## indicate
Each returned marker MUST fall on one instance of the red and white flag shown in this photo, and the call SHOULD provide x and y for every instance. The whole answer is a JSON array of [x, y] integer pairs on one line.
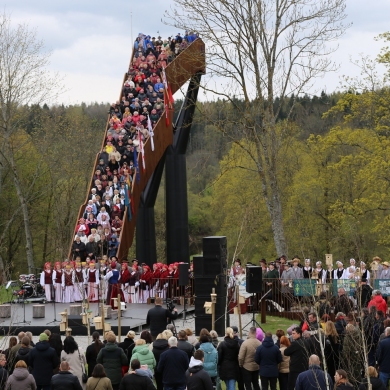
[[151, 133]]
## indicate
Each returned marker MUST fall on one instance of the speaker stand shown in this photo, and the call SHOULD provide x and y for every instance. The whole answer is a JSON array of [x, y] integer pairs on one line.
[[253, 321]]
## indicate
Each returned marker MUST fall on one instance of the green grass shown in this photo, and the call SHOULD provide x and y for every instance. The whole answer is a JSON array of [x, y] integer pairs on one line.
[[274, 323], [5, 296]]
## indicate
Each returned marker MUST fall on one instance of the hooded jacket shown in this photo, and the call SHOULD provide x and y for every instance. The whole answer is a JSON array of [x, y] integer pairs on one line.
[[313, 378], [159, 346], [197, 378], [113, 358], [268, 356], [210, 364], [21, 379], [43, 360], [144, 355], [298, 352], [379, 303]]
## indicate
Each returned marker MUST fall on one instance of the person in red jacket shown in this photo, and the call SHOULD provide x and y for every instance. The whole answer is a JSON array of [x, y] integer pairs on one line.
[[125, 279], [378, 301], [145, 280]]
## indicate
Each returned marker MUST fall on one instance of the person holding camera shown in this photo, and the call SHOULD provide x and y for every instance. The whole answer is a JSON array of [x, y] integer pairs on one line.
[[157, 318]]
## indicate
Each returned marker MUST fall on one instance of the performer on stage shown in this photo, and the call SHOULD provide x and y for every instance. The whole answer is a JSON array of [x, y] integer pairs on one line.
[[102, 273], [339, 273], [113, 277], [145, 280], [125, 279], [164, 277], [79, 280], [155, 280], [46, 281], [365, 272], [57, 281], [68, 284], [307, 269], [93, 281], [134, 282]]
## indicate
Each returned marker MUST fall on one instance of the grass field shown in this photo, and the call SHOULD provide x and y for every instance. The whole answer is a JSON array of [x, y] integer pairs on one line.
[[274, 323], [5, 296]]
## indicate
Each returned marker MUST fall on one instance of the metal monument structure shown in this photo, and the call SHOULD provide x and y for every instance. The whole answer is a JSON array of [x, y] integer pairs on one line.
[[170, 145]]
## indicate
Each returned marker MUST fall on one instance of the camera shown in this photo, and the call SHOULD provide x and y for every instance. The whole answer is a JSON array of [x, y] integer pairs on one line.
[[170, 305]]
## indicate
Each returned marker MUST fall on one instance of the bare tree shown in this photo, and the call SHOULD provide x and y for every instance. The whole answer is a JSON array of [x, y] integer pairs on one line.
[[24, 80], [258, 53]]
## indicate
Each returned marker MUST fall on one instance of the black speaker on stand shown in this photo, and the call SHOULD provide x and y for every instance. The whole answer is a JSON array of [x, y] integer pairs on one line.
[[254, 283], [183, 282]]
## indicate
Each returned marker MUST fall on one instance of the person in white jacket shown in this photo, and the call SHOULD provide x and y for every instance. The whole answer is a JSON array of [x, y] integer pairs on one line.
[[46, 281]]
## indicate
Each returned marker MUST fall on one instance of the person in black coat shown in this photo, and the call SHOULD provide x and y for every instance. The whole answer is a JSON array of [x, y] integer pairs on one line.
[[268, 356], [137, 379], [158, 316], [3, 372], [184, 345], [160, 345], [197, 377], [228, 367], [24, 351], [92, 352], [127, 342], [65, 380], [43, 360], [299, 357], [314, 377], [376, 383]]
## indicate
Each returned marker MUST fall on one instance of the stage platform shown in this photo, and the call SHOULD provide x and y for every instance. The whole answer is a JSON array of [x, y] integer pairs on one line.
[[134, 317]]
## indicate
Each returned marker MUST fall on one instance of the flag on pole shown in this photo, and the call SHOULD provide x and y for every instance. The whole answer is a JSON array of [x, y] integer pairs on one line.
[[127, 203], [151, 133], [141, 149]]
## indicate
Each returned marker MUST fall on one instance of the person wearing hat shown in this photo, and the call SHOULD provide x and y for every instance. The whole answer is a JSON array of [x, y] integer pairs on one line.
[[78, 293], [263, 265], [92, 279], [43, 360], [145, 281], [164, 278], [297, 271], [57, 281], [377, 260], [68, 278], [339, 272], [307, 269], [134, 282], [155, 279], [46, 281], [125, 279], [286, 281], [385, 274]]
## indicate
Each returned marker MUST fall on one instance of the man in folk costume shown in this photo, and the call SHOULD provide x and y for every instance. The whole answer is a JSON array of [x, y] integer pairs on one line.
[[385, 274], [378, 260], [286, 281], [155, 280], [307, 269], [125, 279], [164, 277], [68, 284], [145, 281], [93, 282], [57, 281], [134, 282], [296, 271], [46, 281], [102, 273], [113, 277], [79, 279], [339, 273]]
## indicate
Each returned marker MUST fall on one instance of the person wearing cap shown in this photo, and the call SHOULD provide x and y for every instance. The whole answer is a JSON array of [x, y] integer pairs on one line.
[[92, 280], [385, 274], [307, 270], [339, 272], [68, 278], [46, 281], [125, 278], [78, 293], [43, 360], [134, 282], [57, 281], [145, 281]]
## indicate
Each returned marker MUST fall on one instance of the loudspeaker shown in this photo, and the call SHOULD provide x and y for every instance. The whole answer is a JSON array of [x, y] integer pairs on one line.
[[75, 321], [198, 266], [215, 247], [253, 279], [183, 274]]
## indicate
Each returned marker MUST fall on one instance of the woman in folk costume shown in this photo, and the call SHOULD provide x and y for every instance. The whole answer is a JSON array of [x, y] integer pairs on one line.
[[93, 282], [57, 281], [365, 272], [78, 293], [47, 281], [68, 284], [164, 278], [125, 279], [155, 279], [113, 276], [145, 280], [307, 270], [134, 283], [102, 273]]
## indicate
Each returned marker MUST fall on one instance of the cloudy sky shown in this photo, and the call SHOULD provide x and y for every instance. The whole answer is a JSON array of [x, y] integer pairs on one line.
[[91, 41]]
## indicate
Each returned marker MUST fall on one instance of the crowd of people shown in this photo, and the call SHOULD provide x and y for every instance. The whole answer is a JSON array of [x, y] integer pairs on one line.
[[145, 97]]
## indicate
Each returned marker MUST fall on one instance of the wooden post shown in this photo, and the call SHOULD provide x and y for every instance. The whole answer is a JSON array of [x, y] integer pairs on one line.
[[263, 311], [239, 311], [213, 311], [67, 325], [119, 318], [102, 311]]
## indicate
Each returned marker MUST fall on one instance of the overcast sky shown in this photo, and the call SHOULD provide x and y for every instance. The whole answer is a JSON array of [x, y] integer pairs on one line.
[[91, 41]]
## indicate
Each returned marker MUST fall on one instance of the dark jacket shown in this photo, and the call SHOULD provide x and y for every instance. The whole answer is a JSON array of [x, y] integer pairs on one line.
[[344, 386], [43, 360], [23, 354], [125, 344], [383, 355], [65, 380], [313, 379], [376, 383], [91, 355], [113, 358], [299, 357], [136, 382], [159, 346], [173, 365], [340, 325], [3, 377], [157, 319], [228, 358], [186, 347], [268, 356], [343, 304], [198, 379]]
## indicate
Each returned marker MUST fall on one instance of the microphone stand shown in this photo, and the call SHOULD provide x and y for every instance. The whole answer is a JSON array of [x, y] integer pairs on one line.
[[54, 305], [24, 311]]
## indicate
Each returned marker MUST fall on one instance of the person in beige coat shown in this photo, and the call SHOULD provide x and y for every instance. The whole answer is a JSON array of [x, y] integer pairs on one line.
[[99, 380], [246, 360], [285, 364]]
